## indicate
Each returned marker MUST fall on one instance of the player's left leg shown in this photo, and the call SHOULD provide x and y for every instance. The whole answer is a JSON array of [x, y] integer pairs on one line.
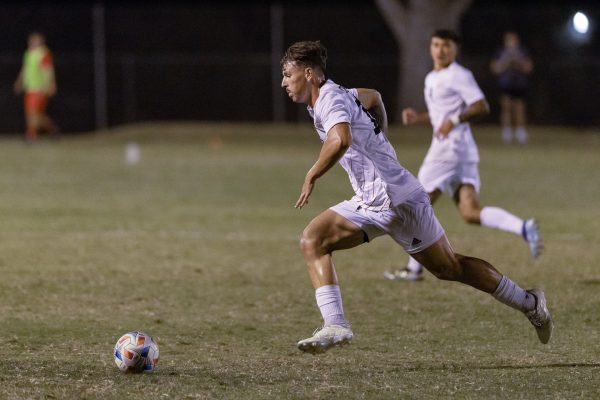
[[441, 261], [519, 107], [50, 126], [328, 232], [506, 118], [45, 122], [467, 201]]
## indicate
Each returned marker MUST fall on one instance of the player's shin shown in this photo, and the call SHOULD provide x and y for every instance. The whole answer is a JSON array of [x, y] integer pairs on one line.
[[329, 300]]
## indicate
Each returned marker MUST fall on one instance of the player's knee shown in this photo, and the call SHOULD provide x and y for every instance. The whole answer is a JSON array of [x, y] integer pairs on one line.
[[310, 243], [305, 244], [472, 219]]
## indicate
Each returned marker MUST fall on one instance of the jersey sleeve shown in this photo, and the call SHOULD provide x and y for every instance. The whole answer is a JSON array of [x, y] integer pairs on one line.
[[333, 110], [468, 88]]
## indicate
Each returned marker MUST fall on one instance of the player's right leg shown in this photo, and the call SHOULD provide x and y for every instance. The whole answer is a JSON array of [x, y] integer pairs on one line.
[[518, 108], [442, 262], [328, 232], [467, 202], [31, 118]]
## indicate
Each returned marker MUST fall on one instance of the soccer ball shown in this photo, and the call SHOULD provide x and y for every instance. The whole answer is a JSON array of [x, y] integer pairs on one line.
[[136, 352]]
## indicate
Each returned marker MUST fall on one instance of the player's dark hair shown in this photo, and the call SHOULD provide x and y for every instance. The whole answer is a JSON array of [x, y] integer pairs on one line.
[[306, 54], [446, 34], [37, 33]]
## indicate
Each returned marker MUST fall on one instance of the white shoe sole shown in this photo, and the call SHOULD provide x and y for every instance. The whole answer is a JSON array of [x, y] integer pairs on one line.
[[320, 348]]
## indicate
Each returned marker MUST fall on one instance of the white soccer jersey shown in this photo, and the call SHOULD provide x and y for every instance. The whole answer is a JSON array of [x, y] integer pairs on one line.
[[449, 92], [377, 177]]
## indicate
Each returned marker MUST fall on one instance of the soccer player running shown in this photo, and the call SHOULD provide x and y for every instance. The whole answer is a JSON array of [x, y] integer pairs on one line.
[[36, 79], [451, 165], [388, 200]]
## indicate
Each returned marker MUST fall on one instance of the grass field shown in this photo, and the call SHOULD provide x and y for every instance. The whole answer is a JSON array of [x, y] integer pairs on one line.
[[197, 246]]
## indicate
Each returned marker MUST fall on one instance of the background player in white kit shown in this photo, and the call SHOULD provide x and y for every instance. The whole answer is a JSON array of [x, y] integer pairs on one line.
[[388, 200], [451, 165]]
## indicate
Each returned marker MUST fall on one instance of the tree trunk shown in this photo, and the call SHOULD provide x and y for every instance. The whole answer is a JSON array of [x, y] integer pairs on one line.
[[412, 23]]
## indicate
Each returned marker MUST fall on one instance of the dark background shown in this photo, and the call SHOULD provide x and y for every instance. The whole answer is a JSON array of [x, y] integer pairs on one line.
[[213, 61]]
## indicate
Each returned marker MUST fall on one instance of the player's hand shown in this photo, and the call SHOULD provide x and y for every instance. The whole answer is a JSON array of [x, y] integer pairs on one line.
[[307, 189], [444, 130], [409, 116]]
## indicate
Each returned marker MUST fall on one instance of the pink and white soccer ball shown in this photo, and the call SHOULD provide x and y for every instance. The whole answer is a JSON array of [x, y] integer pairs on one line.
[[136, 352]]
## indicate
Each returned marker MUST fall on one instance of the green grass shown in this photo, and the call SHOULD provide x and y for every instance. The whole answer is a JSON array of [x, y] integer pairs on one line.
[[197, 246]]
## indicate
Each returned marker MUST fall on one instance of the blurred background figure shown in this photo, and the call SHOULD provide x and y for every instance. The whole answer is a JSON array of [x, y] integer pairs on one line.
[[37, 82], [512, 65]]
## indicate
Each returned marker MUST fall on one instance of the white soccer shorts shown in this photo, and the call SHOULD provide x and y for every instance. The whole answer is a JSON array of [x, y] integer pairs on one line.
[[448, 176], [413, 224]]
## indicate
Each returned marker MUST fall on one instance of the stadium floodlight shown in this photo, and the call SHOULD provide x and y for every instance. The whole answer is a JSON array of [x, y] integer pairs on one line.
[[579, 28], [581, 23]]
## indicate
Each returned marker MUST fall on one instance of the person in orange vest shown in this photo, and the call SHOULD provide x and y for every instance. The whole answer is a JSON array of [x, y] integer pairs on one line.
[[36, 80]]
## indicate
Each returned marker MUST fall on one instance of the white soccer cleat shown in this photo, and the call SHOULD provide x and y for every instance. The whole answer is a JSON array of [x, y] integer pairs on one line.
[[325, 338], [404, 274], [540, 317], [531, 233]]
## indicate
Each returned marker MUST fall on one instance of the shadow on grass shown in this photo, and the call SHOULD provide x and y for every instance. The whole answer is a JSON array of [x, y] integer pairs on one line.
[[452, 367], [590, 282]]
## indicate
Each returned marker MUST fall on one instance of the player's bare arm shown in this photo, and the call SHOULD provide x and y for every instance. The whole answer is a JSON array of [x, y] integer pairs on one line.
[[410, 116], [476, 110], [372, 101], [338, 140], [49, 77]]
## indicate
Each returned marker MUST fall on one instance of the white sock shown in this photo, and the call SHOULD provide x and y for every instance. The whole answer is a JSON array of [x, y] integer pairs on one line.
[[498, 218], [521, 134], [329, 300], [413, 265], [507, 135], [513, 296]]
